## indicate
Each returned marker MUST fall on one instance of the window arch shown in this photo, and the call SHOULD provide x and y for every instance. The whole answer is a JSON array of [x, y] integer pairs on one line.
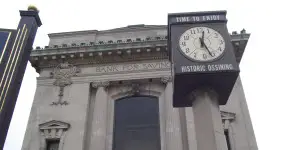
[[136, 123]]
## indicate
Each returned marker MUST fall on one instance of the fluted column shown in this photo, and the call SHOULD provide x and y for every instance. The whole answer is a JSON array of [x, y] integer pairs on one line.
[[173, 130], [208, 123], [98, 138]]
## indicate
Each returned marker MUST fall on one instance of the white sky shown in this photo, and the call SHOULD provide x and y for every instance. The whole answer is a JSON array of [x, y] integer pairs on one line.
[[269, 68]]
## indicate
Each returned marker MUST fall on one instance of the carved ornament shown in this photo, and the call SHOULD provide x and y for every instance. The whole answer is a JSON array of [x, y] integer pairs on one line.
[[166, 79], [62, 74], [100, 84]]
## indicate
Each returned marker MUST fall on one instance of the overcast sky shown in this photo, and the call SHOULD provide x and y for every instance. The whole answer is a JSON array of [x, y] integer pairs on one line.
[[269, 68]]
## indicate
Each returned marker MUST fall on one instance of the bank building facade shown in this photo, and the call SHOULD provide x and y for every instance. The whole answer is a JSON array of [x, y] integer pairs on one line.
[[112, 90]]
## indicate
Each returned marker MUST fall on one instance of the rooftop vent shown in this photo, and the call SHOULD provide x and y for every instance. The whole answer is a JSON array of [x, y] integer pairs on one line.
[[234, 33], [138, 39], [243, 31]]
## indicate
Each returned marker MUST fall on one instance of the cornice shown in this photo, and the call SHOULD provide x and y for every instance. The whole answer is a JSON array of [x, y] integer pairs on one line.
[[123, 50], [97, 47]]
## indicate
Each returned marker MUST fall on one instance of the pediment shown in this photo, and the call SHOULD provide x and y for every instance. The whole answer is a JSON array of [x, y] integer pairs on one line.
[[54, 124], [225, 115]]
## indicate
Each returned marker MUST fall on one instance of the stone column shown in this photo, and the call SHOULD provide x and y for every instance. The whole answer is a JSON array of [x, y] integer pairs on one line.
[[208, 123], [191, 134], [98, 138], [173, 131]]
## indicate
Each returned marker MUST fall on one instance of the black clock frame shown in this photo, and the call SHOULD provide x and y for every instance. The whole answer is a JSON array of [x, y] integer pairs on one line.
[[219, 73]]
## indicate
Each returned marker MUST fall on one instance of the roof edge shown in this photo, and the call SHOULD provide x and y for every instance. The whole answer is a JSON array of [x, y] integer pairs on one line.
[[72, 33], [114, 30]]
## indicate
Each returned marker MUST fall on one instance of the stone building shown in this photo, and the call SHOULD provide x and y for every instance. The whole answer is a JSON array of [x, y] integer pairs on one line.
[[112, 90]]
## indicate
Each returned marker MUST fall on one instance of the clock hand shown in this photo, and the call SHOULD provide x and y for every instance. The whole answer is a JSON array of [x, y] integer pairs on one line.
[[201, 39], [203, 43], [207, 49]]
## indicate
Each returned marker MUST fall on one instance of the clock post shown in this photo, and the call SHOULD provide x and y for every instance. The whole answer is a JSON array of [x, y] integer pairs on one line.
[[204, 70]]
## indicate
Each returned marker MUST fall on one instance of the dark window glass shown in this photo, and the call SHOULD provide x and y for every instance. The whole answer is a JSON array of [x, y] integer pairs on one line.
[[52, 144], [136, 124], [227, 139]]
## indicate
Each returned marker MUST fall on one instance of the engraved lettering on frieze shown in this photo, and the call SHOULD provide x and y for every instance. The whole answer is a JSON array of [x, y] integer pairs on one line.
[[133, 67], [62, 74]]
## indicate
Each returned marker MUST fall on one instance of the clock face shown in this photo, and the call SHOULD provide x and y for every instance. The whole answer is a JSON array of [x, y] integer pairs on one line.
[[202, 44]]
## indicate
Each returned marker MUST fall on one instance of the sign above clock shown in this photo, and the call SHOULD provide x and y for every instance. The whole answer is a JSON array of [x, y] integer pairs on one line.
[[198, 18], [212, 16]]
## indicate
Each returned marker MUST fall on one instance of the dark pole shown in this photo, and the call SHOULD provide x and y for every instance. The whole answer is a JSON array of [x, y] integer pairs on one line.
[[15, 56]]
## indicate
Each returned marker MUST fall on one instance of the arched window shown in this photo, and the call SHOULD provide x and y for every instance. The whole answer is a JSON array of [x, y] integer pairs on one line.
[[136, 123]]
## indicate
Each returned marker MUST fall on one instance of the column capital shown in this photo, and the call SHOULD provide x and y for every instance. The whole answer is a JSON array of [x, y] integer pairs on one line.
[[100, 84], [166, 79]]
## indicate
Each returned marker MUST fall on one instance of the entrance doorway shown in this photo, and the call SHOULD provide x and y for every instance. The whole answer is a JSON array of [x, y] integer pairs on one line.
[[136, 123]]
